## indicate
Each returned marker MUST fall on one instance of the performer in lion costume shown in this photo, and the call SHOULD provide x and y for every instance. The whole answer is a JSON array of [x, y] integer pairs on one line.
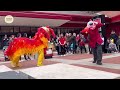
[[26, 46]]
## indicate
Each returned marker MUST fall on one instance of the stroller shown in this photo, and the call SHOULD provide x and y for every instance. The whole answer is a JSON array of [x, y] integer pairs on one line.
[[5, 56]]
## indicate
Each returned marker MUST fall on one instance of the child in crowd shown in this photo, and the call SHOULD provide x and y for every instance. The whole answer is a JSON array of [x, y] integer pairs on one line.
[[107, 45], [112, 47], [82, 46]]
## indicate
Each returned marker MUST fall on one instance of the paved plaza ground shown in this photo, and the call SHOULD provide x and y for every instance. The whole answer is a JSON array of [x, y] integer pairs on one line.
[[77, 66]]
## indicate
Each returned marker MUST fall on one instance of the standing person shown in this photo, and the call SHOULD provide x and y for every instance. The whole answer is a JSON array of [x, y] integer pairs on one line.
[[85, 41], [77, 39], [53, 42], [83, 38], [102, 43], [69, 42], [62, 42], [57, 45], [11, 38], [5, 41], [95, 39], [107, 45], [73, 41], [89, 48], [77, 42], [82, 46], [26, 56]]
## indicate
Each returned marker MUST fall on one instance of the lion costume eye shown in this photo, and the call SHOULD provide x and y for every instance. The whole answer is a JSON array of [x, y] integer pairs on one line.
[[90, 23]]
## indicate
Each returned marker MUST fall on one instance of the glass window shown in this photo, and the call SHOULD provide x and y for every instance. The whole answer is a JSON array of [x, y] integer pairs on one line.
[[33, 29], [6, 30], [16, 29], [24, 29]]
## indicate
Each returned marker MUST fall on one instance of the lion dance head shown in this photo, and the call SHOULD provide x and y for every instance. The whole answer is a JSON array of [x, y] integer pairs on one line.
[[46, 31]]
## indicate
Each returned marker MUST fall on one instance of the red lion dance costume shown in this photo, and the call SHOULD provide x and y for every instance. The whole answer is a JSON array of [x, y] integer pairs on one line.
[[37, 44]]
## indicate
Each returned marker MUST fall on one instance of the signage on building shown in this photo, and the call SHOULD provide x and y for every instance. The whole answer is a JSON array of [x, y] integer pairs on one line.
[[9, 19]]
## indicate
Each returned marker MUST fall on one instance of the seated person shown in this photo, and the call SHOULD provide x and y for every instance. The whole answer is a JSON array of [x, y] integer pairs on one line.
[[112, 47]]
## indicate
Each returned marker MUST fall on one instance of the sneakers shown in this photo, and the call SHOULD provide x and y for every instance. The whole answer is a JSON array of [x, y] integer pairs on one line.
[[88, 53], [94, 61], [99, 63], [63, 55]]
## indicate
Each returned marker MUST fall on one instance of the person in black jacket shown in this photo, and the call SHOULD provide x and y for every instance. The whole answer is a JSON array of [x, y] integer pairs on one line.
[[19, 35], [114, 36], [73, 41], [69, 42], [107, 45], [5, 41]]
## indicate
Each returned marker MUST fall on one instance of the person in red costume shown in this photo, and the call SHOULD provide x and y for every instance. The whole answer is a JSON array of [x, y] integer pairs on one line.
[[95, 39], [62, 42]]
